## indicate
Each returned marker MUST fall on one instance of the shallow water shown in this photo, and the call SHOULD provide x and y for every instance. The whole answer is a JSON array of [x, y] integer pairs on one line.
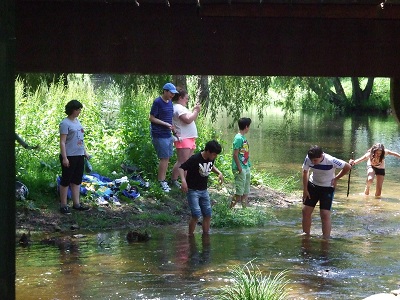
[[361, 259]]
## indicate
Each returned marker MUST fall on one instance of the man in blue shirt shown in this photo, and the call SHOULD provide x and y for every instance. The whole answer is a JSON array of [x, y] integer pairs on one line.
[[161, 114]]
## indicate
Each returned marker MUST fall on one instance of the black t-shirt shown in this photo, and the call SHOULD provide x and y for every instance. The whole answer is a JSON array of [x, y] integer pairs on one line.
[[198, 170]]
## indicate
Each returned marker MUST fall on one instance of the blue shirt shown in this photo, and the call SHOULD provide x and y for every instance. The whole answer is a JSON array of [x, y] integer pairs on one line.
[[164, 112]]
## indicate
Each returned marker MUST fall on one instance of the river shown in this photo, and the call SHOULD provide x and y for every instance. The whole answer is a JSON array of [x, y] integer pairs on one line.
[[361, 259]]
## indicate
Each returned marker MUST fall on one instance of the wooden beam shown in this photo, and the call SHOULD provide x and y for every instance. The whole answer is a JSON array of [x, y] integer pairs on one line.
[[303, 10], [7, 150]]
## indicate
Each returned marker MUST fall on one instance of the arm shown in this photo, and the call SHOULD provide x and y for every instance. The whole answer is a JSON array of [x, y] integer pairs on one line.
[[190, 117], [305, 175], [218, 172], [358, 160], [344, 171], [389, 152], [184, 186], [235, 156], [65, 161], [154, 120], [87, 155]]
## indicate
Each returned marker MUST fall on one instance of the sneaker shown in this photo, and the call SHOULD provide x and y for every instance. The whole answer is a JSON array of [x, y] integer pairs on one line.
[[101, 201], [142, 183], [176, 183], [65, 210], [114, 200], [164, 186], [81, 207]]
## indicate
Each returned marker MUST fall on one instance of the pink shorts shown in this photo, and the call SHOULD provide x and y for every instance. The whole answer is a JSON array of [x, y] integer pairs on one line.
[[189, 143]]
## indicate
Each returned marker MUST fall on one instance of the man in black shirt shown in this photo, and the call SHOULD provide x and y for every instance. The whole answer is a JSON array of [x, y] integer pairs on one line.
[[197, 169]]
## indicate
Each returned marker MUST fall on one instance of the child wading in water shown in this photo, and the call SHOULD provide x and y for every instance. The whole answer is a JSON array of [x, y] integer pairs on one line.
[[375, 166]]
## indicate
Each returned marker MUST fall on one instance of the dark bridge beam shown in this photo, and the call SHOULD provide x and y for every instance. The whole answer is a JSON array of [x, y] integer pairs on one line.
[[311, 39]]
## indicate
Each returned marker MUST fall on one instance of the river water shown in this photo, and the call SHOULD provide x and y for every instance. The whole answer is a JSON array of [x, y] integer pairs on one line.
[[361, 259]]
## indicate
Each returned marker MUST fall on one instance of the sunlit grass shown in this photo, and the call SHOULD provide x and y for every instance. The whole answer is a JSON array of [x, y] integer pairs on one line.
[[223, 216], [250, 283]]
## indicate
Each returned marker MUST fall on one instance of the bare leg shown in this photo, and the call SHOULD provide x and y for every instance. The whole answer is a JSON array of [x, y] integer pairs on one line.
[[63, 195], [234, 200], [326, 223], [192, 224], [306, 221], [76, 189], [162, 168], [244, 200], [206, 225], [370, 180], [379, 184], [183, 155]]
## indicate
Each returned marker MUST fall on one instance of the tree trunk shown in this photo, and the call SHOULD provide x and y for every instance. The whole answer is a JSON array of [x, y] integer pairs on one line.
[[339, 98], [180, 80], [368, 89], [361, 96], [203, 93], [357, 92]]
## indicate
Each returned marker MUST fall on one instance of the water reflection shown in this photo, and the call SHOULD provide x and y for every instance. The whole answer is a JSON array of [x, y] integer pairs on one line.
[[192, 257], [310, 250]]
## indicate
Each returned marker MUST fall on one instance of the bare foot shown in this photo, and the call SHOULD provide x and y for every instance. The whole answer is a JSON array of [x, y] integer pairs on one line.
[[366, 191]]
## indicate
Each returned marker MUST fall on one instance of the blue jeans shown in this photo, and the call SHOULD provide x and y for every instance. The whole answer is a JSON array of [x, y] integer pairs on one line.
[[199, 203]]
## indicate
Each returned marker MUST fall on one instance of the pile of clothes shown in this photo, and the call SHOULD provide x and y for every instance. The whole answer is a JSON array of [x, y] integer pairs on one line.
[[106, 191]]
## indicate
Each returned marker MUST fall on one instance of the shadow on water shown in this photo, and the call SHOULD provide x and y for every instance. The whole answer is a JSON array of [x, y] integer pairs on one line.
[[361, 259]]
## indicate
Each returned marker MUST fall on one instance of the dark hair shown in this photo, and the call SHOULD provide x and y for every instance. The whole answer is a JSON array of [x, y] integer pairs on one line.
[[213, 147], [71, 106], [314, 152], [375, 148], [243, 123], [181, 93]]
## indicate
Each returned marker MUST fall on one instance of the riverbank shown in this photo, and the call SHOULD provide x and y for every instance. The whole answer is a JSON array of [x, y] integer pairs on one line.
[[136, 214]]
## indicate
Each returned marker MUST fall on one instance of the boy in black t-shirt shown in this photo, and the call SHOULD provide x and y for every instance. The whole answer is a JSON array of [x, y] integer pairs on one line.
[[197, 168]]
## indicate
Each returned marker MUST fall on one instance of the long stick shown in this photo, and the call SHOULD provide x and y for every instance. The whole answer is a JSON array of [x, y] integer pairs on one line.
[[348, 181]]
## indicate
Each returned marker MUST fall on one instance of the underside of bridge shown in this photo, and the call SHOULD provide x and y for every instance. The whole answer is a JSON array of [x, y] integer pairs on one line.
[[208, 37], [259, 37]]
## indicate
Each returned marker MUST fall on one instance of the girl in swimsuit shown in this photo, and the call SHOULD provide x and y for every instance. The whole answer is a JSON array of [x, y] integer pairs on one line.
[[375, 157]]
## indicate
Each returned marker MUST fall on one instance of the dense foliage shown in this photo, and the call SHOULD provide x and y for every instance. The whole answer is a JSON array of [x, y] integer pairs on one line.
[[116, 128]]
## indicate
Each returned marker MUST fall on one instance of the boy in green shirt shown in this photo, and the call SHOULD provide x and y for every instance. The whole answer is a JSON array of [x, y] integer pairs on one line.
[[241, 163]]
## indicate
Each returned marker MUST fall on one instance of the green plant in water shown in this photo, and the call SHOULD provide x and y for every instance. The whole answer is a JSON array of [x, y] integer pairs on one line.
[[223, 216], [249, 283]]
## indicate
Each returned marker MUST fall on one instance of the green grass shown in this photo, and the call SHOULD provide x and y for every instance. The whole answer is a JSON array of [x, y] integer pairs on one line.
[[223, 216], [250, 283]]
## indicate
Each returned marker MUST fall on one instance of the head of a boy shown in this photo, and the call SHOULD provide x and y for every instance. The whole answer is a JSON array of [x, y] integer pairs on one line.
[[315, 154], [244, 123], [169, 90], [212, 149]]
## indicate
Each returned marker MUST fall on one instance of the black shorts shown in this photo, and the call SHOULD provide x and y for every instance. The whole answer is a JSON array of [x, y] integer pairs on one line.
[[323, 194], [378, 171], [74, 173]]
